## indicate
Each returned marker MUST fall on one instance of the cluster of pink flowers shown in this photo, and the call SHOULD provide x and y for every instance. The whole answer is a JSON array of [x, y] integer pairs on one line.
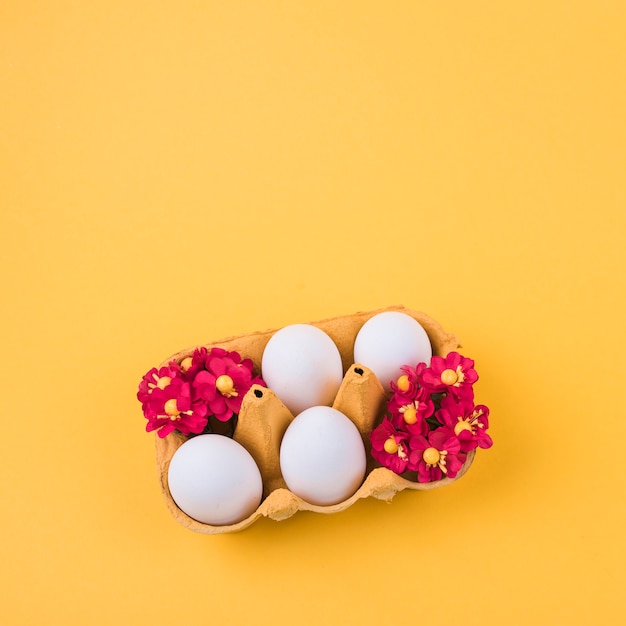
[[184, 396], [432, 421]]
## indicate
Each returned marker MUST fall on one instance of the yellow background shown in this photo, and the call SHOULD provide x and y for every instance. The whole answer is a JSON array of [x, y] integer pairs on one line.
[[172, 173]]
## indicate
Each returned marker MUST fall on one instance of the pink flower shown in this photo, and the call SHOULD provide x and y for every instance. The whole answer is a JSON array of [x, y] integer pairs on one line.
[[454, 374], [435, 456], [432, 420], [410, 414], [410, 404], [411, 418], [171, 408], [156, 379], [409, 383], [195, 363], [224, 381], [468, 422], [389, 447], [184, 396]]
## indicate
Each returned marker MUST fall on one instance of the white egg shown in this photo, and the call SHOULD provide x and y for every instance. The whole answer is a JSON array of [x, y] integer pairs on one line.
[[322, 456], [302, 365], [389, 340], [215, 480]]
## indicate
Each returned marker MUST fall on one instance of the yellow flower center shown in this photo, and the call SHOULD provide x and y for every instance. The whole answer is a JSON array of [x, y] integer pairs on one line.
[[410, 415], [403, 383], [226, 386], [391, 447], [431, 456], [163, 382], [462, 425], [449, 377], [185, 364], [171, 409]]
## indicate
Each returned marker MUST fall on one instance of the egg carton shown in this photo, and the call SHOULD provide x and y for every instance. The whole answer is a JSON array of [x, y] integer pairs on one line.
[[263, 420]]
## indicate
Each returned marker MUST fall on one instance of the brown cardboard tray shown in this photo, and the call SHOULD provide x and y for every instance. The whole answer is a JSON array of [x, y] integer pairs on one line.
[[263, 420]]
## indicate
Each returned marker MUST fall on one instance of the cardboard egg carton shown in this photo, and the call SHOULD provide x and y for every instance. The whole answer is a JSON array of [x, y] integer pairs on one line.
[[263, 420]]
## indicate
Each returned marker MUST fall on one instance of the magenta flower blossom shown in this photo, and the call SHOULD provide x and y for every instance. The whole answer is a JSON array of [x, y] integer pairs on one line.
[[224, 382], [191, 365], [411, 415], [431, 421], [389, 447], [409, 383], [156, 379], [467, 422], [454, 374], [171, 408], [410, 404], [184, 396], [435, 456]]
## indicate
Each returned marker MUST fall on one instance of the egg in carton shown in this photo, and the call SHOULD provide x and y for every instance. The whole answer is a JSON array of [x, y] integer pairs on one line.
[[264, 418]]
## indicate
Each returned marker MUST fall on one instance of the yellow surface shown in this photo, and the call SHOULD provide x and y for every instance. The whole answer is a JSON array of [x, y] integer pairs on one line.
[[172, 173]]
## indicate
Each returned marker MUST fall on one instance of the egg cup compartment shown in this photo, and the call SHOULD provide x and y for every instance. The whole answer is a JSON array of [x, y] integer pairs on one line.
[[263, 420]]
